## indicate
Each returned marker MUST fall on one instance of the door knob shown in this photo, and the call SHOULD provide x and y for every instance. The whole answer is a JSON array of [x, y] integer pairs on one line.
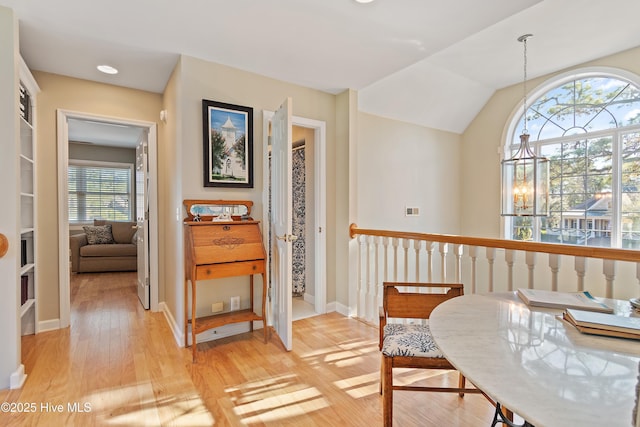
[[287, 237]]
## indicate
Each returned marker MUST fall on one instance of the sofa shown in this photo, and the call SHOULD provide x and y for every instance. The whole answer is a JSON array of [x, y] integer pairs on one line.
[[105, 246]]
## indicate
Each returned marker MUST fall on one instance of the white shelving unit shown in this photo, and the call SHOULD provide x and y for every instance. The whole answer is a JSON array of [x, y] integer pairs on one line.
[[28, 283]]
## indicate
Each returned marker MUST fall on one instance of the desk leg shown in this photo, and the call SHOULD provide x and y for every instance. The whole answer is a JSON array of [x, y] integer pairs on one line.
[[264, 308], [194, 347], [251, 299], [186, 313], [506, 419]]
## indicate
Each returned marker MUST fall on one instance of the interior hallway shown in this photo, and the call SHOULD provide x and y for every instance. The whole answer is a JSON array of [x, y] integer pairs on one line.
[[120, 365]]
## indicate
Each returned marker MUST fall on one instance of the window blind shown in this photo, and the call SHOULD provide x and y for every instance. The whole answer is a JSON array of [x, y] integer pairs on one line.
[[99, 192]]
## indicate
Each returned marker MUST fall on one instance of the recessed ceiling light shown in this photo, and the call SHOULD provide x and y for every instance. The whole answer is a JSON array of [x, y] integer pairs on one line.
[[107, 69], [364, 1]]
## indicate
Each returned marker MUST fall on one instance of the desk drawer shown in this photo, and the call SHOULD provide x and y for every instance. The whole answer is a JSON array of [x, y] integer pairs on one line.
[[215, 271]]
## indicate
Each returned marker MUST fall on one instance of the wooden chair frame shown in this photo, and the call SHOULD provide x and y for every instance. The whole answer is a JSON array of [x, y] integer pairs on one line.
[[413, 305]]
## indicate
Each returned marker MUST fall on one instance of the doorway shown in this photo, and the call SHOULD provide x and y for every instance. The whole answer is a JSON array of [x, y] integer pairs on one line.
[[68, 122], [309, 213]]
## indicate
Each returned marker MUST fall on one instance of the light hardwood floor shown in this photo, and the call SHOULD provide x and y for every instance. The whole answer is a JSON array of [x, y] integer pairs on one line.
[[120, 364]]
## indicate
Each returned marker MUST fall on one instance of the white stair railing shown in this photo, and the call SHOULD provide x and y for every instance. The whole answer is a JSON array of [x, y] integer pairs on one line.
[[487, 265]]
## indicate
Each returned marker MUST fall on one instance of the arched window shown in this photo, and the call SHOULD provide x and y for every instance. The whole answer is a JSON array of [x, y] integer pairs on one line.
[[588, 126]]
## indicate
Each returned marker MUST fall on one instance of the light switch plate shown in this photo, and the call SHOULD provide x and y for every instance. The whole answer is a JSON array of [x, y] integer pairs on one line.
[[235, 303]]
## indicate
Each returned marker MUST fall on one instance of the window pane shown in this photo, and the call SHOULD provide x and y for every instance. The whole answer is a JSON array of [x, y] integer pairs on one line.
[[583, 207], [99, 192]]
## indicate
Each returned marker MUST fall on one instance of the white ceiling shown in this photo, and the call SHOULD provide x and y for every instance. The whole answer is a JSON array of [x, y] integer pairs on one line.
[[407, 58]]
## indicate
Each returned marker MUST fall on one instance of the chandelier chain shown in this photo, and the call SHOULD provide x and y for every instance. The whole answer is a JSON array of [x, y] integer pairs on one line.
[[523, 39]]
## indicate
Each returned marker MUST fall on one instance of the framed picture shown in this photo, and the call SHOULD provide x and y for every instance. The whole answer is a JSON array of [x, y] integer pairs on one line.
[[228, 144]]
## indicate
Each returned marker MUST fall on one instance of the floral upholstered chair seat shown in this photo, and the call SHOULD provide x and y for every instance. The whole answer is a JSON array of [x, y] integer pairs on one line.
[[409, 340]]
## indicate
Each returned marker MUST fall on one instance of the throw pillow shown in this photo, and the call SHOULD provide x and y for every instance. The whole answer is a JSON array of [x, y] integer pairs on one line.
[[98, 234]]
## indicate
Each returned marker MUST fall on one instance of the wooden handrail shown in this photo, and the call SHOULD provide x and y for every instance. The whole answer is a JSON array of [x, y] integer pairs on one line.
[[4, 245], [550, 248]]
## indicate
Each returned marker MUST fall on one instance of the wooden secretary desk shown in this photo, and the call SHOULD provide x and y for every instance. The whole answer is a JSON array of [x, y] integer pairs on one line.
[[221, 240]]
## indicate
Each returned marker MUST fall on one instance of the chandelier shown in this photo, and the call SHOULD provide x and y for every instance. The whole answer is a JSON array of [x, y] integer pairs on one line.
[[525, 176]]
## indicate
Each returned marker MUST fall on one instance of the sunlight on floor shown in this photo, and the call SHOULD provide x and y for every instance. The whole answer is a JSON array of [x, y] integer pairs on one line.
[[139, 405], [360, 386], [275, 398]]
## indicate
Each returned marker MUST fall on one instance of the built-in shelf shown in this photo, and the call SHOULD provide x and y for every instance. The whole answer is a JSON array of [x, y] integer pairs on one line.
[[26, 268], [28, 277], [26, 306]]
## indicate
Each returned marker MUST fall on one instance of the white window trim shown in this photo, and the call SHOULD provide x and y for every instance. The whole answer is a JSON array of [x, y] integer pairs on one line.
[[513, 121]]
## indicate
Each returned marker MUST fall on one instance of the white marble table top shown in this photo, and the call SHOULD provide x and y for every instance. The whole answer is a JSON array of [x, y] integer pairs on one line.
[[537, 365]]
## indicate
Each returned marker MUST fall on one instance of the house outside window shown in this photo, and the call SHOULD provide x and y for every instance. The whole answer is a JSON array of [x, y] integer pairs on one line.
[[588, 126], [100, 190]]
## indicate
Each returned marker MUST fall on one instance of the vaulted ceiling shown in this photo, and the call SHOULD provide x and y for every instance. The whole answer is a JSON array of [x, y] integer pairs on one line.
[[428, 62]]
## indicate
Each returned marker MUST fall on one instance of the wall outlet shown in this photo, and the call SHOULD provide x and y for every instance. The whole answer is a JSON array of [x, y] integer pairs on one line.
[[235, 303], [217, 307], [411, 211]]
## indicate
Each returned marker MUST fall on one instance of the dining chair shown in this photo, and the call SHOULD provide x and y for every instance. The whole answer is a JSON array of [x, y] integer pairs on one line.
[[407, 343]]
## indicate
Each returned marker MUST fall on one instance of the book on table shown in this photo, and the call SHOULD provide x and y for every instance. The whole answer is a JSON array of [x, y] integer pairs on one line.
[[590, 322], [561, 300]]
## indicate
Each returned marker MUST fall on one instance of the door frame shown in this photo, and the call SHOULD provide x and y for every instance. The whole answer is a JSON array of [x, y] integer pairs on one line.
[[320, 205], [62, 117]]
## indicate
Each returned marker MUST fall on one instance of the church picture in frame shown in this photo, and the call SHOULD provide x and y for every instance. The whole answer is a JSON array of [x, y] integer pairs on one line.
[[227, 144]]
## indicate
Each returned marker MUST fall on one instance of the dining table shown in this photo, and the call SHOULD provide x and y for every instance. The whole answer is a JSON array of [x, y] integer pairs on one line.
[[536, 364]]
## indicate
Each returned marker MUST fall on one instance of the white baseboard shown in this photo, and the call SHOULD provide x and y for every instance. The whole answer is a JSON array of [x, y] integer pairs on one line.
[[340, 308], [173, 325], [48, 325], [17, 379], [309, 298]]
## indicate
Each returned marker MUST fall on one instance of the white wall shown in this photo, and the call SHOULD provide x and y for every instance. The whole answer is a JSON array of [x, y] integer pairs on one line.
[[401, 164], [181, 159], [9, 194]]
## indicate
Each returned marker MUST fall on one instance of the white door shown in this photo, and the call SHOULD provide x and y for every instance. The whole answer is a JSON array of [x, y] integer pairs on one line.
[[142, 218], [281, 207]]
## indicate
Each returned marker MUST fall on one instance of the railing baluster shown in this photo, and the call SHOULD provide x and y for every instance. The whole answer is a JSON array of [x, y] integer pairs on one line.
[[394, 243], [609, 270], [406, 243], [531, 265], [473, 254], [554, 265], [458, 250], [510, 259], [417, 244], [491, 257], [444, 249], [385, 269], [370, 275], [429, 246], [581, 271]]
